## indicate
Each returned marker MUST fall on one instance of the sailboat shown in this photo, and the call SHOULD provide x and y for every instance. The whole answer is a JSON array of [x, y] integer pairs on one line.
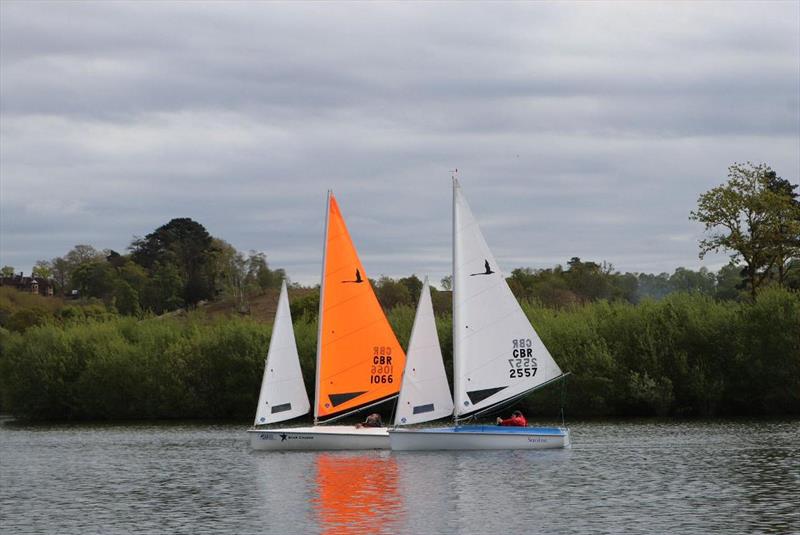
[[424, 392], [359, 360], [497, 355]]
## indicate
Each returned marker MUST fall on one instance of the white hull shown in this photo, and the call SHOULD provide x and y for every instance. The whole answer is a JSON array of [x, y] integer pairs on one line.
[[479, 438], [333, 437]]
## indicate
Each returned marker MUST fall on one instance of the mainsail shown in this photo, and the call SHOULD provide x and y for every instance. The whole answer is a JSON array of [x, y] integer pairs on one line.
[[497, 353], [425, 394], [359, 360], [283, 394]]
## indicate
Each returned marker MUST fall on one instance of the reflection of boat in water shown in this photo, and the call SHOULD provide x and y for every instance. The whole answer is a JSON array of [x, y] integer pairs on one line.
[[359, 360], [357, 493]]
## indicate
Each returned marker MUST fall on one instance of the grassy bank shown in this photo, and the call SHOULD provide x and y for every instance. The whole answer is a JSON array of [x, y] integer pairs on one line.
[[686, 355]]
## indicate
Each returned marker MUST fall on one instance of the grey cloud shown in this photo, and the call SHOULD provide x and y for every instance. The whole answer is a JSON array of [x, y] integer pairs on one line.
[[579, 129]]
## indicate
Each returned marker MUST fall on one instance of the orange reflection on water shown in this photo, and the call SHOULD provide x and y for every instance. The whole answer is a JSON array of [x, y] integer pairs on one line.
[[357, 493]]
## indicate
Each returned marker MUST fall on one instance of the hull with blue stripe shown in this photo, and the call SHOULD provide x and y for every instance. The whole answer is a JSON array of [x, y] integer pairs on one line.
[[478, 437]]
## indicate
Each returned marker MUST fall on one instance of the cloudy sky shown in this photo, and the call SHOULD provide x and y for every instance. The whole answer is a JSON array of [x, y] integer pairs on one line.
[[578, 129]]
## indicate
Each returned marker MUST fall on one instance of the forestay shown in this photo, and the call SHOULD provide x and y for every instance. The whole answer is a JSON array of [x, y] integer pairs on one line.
[[283, 394], [498, 355], [425, 394]]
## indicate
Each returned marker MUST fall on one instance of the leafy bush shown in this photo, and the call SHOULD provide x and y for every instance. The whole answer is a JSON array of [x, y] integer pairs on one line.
[[686, 355]]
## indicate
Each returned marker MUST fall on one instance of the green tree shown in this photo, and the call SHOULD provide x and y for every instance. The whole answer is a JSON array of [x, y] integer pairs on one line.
[[391, 293], [787, 229], [126, 299], [61, 271], [260, 275], [162, 292], [42, 269], [589, 280], [7, 271], [686, 280], [730, 283], [95, 279], [414, 286], [743, 216], [185, 245]]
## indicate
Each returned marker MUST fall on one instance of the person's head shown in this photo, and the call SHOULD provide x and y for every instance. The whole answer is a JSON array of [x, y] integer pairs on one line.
[[516, 413]]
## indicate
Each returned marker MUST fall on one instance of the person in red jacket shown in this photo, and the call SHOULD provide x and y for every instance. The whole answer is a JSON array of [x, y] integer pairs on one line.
[[517, 420]]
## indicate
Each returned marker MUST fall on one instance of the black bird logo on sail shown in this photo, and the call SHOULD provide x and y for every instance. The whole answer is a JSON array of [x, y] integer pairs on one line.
[[487, 272], [358, 280]]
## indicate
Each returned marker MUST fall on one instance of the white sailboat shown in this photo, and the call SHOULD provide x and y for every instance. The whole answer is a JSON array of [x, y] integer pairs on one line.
[[283, 394], [497, 355], [359, 360], [424, 393]]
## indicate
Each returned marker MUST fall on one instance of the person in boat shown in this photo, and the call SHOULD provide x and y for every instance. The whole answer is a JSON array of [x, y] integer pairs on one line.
[[517, 420], [373, 420]]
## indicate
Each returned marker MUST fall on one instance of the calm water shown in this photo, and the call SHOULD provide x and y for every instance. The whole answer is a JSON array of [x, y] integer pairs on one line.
[[619, 477]]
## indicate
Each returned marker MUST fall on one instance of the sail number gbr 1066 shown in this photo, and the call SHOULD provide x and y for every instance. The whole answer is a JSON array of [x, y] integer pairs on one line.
[[382, 367], [522, 363]]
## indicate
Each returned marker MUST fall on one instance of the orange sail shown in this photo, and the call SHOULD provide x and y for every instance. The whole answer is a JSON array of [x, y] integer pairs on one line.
[[359, 361]]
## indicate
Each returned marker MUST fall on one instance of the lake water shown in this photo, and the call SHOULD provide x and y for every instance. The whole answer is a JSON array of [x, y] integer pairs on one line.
[[619, 477]]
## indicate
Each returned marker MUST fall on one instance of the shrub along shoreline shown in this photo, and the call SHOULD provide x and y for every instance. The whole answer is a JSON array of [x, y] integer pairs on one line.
[[686, 356]]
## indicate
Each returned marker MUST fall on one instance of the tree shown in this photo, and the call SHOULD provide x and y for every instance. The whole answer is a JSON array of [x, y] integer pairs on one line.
[[63, 268], [588, 280], [743, 216], [7, 271], [232, 268], [187, 247], [686, 280], [729, 283], [414, 286], [259, 273], [60, 274], [391, 293], [42, 269], [95, 279], [787, 230]]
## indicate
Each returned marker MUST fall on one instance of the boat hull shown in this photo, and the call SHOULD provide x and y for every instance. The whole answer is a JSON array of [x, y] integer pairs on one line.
[[334, 437], [479, 437]]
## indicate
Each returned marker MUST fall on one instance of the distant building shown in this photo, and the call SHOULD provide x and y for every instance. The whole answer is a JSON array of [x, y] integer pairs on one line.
[[32, 285]]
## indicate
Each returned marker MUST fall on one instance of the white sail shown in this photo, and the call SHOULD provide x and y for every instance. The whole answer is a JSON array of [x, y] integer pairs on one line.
[[424, 394], [497, 353], [283, 394]]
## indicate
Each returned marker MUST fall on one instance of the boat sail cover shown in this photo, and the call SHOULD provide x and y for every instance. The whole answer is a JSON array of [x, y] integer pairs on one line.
[[283, 394], [359, 360], [497, 353], [425, 394]]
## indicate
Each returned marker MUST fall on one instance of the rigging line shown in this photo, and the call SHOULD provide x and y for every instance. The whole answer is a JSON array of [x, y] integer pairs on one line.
[[563, 398]]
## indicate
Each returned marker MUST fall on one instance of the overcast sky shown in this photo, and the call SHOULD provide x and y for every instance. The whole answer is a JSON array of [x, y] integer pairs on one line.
[[578, 129]]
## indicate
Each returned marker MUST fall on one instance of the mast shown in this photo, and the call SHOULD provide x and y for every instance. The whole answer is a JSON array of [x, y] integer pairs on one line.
[[321, 306], [453, 278]]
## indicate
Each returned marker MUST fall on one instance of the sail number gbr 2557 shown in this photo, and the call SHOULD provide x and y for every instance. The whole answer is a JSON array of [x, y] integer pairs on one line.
[[523, 363], [382, 368]]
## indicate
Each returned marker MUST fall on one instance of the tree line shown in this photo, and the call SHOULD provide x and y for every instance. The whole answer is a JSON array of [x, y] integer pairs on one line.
[[689, 343], [686, 355], [178, 265]]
